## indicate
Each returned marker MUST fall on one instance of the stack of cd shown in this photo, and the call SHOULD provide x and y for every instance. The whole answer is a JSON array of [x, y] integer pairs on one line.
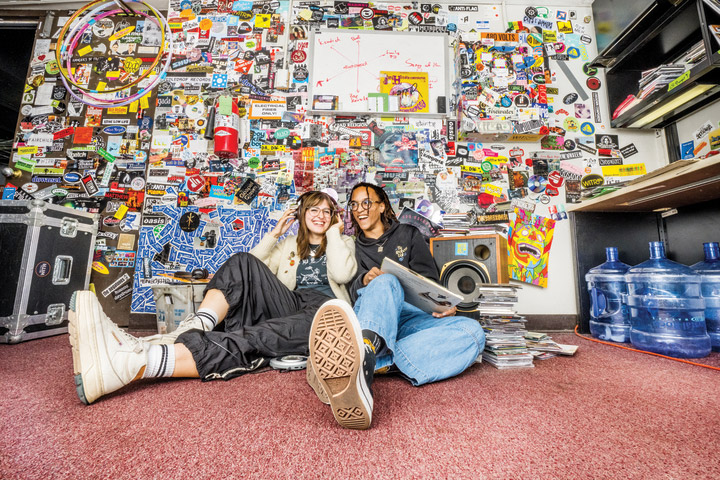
[[505, 345]]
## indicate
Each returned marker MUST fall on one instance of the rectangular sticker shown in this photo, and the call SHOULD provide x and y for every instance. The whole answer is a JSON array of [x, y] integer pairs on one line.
[[630, 170]]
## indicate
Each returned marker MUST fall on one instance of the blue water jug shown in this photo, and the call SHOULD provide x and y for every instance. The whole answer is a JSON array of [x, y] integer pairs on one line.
[[609, 317], [667, 311], [709, 272]]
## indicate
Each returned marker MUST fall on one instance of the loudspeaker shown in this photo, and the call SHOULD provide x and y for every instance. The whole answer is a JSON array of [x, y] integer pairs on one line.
[[469, 261]]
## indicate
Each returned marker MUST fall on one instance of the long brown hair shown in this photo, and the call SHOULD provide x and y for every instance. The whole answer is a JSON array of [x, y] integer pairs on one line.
[[387, 217], [307, 200]]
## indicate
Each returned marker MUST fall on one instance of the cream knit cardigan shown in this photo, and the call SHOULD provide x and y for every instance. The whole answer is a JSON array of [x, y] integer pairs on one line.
[[340, 252]]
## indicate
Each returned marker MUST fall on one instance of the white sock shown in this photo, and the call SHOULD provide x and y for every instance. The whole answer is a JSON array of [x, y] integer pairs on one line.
[[209, 318], [161, 361]]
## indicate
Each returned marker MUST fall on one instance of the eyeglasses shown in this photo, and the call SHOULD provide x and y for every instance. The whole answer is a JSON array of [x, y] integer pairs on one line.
[[366, 204], [315, 211]]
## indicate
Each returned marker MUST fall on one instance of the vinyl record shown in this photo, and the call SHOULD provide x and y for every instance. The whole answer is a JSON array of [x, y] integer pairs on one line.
[[289, 362], [537, 183]]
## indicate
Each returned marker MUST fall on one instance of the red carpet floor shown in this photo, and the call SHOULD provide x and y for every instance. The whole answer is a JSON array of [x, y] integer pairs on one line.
[[604, 413]]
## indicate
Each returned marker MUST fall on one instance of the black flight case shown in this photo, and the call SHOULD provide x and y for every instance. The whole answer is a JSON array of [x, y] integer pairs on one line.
[[45, 255]]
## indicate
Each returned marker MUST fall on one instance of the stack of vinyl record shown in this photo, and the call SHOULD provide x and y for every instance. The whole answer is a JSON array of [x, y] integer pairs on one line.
[[505, 345]]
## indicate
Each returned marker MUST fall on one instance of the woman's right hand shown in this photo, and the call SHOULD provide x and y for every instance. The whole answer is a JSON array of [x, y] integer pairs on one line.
[[285, 222]]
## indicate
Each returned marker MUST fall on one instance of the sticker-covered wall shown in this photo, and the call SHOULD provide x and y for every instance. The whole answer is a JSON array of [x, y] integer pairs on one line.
[[190, 130]]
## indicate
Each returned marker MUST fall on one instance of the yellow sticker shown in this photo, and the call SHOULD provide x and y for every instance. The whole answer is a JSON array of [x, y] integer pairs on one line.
[[493, 190], [470, 169], [205, 24], [27, 150], [144, 101], [272, 148], [84, 51], [629, 170], [120, 214], [117, 110], [122, 33], [112, 74], [100, 268], [134, 106], [262, 20], [101, 86]]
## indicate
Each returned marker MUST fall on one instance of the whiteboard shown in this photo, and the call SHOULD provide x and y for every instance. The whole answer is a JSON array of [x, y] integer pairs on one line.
[[347, 64]]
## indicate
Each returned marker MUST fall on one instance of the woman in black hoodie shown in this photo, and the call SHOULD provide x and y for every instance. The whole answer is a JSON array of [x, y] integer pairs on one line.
[[383, 331]]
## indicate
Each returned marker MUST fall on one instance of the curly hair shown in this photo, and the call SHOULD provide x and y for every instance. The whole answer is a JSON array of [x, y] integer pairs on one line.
[[387, 217], [307, 200]]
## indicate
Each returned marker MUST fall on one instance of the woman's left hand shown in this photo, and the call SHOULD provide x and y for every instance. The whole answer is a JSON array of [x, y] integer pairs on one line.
[[446, 313]]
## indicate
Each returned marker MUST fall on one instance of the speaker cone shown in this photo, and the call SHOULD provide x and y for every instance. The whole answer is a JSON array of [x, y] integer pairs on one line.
[[463, 277]]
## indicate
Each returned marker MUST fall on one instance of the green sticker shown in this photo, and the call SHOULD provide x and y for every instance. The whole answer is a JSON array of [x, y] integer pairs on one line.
[[282, 133], [679, 80], [254, 162], [225, 105], [486, 166]]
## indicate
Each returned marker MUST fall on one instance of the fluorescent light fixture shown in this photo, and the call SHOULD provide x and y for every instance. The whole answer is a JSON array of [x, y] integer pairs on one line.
[[671, 105]]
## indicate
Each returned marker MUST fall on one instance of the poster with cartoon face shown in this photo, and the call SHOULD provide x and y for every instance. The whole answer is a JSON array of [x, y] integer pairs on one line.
[[529, 242]]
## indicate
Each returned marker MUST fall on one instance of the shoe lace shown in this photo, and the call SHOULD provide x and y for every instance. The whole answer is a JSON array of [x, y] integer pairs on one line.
[[190, 320], [127, 339]]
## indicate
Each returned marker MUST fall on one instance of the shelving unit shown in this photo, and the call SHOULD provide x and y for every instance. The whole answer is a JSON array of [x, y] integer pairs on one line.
[[631, 217], [661, 36], [681, 183]]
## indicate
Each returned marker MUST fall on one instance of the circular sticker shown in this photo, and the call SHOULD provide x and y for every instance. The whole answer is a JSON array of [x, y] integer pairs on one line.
[[195, 183], [254, 162], [570, 98], [573, 52], [587, 128], [593, 83], [137, 184], [592, 180], [298, 56], [367, 13], [59, 192], [42, 269], [415, 18], [522, 100], [552, 191], [555, 179], [486, 166], [206, 24], [195, 111], [52, 67], [571, 124], [569, 145], [531, 12], [26, 109], [30, 187], [589, 70], [537, 183]]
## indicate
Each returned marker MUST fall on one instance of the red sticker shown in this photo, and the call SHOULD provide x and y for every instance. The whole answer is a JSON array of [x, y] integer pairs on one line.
[[555, 179], [593, 83]]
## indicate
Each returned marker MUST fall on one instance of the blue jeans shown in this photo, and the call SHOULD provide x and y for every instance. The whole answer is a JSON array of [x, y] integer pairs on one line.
[[424, 348]]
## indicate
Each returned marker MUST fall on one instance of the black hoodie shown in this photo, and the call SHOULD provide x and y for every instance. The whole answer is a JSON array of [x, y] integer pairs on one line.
[[402, 243]]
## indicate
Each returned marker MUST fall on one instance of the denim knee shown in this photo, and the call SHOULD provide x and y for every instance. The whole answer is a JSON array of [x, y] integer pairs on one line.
[[386, 281], [473, 328]]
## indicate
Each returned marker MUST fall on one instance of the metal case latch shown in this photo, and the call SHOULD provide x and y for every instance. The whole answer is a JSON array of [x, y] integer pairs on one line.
[[69, 227], [55, 314]]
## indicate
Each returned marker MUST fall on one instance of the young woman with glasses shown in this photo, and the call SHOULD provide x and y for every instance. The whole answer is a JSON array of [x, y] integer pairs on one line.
[[266, 299], [383, 331]]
